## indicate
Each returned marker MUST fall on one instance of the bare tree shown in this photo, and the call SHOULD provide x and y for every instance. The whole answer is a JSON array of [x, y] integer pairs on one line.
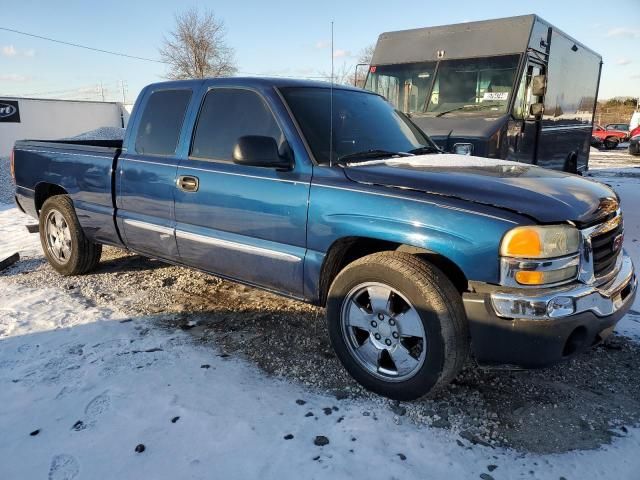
[[360, 71], [345, 73], [366, 54], [197, 48]]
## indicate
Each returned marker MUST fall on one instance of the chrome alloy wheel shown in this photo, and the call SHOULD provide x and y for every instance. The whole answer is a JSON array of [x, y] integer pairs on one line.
[[58, 235], [383, 331]]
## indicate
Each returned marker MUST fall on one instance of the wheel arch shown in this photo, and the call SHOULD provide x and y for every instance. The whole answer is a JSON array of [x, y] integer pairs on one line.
[[346, 250], [44, 191]]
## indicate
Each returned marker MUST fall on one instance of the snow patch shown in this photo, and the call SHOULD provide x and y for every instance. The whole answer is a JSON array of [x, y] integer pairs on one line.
[[441, 160], [15, 237]]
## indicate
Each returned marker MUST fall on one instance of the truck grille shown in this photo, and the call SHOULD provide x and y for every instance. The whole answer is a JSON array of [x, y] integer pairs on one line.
[[606, 248]]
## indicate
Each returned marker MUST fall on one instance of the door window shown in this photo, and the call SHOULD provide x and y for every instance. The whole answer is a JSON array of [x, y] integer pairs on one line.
[[524, 97], [226, 115], [406, 85], [161, 122]]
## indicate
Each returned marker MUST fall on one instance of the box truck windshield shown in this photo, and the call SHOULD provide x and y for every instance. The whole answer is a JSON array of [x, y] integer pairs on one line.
[[456, 87]]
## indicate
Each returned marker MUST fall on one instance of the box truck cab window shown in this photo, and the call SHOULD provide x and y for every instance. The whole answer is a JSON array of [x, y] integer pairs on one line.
[[405, 86], [473, 85]]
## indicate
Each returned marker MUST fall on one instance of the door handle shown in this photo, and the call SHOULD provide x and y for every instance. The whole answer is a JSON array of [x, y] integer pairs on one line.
[[188, 183]]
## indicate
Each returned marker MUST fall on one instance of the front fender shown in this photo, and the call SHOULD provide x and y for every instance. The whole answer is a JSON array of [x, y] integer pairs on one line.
[[469, 237]]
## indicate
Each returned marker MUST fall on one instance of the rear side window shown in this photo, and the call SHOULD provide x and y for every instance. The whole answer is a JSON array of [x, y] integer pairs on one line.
[[226, 115], [161, 122]]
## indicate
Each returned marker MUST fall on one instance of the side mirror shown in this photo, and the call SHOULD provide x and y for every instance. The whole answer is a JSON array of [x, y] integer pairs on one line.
[[536, 110], [259, 151], [538, 85]]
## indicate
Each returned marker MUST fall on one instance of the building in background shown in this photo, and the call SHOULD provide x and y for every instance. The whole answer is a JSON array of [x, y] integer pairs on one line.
[[35, 118]]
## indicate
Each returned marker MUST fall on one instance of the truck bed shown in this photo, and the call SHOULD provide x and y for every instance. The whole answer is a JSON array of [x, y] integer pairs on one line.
[[82, 169]]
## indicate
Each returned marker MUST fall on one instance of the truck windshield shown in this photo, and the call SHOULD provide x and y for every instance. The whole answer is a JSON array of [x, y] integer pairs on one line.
[[362, 123], [406, 86], [473, 85]]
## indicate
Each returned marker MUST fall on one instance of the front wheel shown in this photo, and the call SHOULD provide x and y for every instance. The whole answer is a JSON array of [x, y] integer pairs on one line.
[[397, 324], [64, 243], [611, 143]]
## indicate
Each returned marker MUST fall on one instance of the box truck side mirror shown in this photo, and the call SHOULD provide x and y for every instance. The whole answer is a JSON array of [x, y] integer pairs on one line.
[[538, 85], [536, 110]]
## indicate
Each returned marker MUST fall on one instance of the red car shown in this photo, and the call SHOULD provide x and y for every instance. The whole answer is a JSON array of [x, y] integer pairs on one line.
[[609, 138], [634, 132]]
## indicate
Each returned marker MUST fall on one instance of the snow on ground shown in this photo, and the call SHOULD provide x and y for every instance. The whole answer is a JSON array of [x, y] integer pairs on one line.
[[82, 386], [95, 385], [13, 234]]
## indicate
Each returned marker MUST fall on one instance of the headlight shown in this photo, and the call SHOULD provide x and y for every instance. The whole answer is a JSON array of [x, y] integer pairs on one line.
[[463, 148], [539, 255], [540, 242]]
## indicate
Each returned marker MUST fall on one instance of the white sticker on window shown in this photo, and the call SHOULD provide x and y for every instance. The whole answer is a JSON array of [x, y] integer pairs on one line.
[[495, 95]]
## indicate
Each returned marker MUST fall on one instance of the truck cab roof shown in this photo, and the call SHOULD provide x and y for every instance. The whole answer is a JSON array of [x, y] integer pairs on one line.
[[251, 82]]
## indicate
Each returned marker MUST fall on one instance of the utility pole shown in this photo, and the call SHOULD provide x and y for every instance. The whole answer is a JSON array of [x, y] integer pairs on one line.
[[101, 90], [123, 85]]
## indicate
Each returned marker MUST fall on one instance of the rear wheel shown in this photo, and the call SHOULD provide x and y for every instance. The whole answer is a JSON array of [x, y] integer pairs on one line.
[[397, 324], [571, 163], [64, 243]]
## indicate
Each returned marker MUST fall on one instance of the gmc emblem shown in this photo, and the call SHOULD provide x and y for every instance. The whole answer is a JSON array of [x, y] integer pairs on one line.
[[617, 242]]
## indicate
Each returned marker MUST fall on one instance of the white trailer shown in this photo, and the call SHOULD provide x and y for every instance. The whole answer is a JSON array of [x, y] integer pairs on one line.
[[22, 118]]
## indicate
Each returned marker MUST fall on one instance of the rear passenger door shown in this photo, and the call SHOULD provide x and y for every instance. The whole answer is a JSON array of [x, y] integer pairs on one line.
[[242, 222], [147, 172]]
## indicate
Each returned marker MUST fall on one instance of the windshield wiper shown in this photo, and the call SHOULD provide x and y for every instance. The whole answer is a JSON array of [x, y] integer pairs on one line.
[[478, 106], [425, 149], [372, 154]]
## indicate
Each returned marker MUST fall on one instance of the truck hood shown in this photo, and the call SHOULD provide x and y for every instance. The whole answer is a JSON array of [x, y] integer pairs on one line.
[[546, 196], [458, 127]]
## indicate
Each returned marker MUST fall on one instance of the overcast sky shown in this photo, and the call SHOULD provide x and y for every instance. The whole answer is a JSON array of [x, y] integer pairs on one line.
[[285, 38]]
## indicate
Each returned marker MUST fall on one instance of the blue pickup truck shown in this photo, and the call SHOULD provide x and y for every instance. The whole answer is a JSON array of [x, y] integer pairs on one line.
[[333, 197]]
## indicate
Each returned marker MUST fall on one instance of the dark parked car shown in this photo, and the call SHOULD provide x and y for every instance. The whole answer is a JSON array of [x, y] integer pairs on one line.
[[634, 145]]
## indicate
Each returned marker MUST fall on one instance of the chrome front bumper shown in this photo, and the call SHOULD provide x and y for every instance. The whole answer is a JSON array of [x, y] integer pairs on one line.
[[551, 303]]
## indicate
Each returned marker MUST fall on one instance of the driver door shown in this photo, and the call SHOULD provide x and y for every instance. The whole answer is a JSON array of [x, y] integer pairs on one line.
[[242, 222], [523, 129]]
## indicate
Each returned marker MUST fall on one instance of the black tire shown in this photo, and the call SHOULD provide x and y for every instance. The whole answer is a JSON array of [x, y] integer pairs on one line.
[[84, 255], [611, 143], [438, 304], [571, 163]]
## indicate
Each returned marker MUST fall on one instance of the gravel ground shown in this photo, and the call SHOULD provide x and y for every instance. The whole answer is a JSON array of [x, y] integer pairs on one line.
[[580, 404], [102, 133], [7, 187]]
